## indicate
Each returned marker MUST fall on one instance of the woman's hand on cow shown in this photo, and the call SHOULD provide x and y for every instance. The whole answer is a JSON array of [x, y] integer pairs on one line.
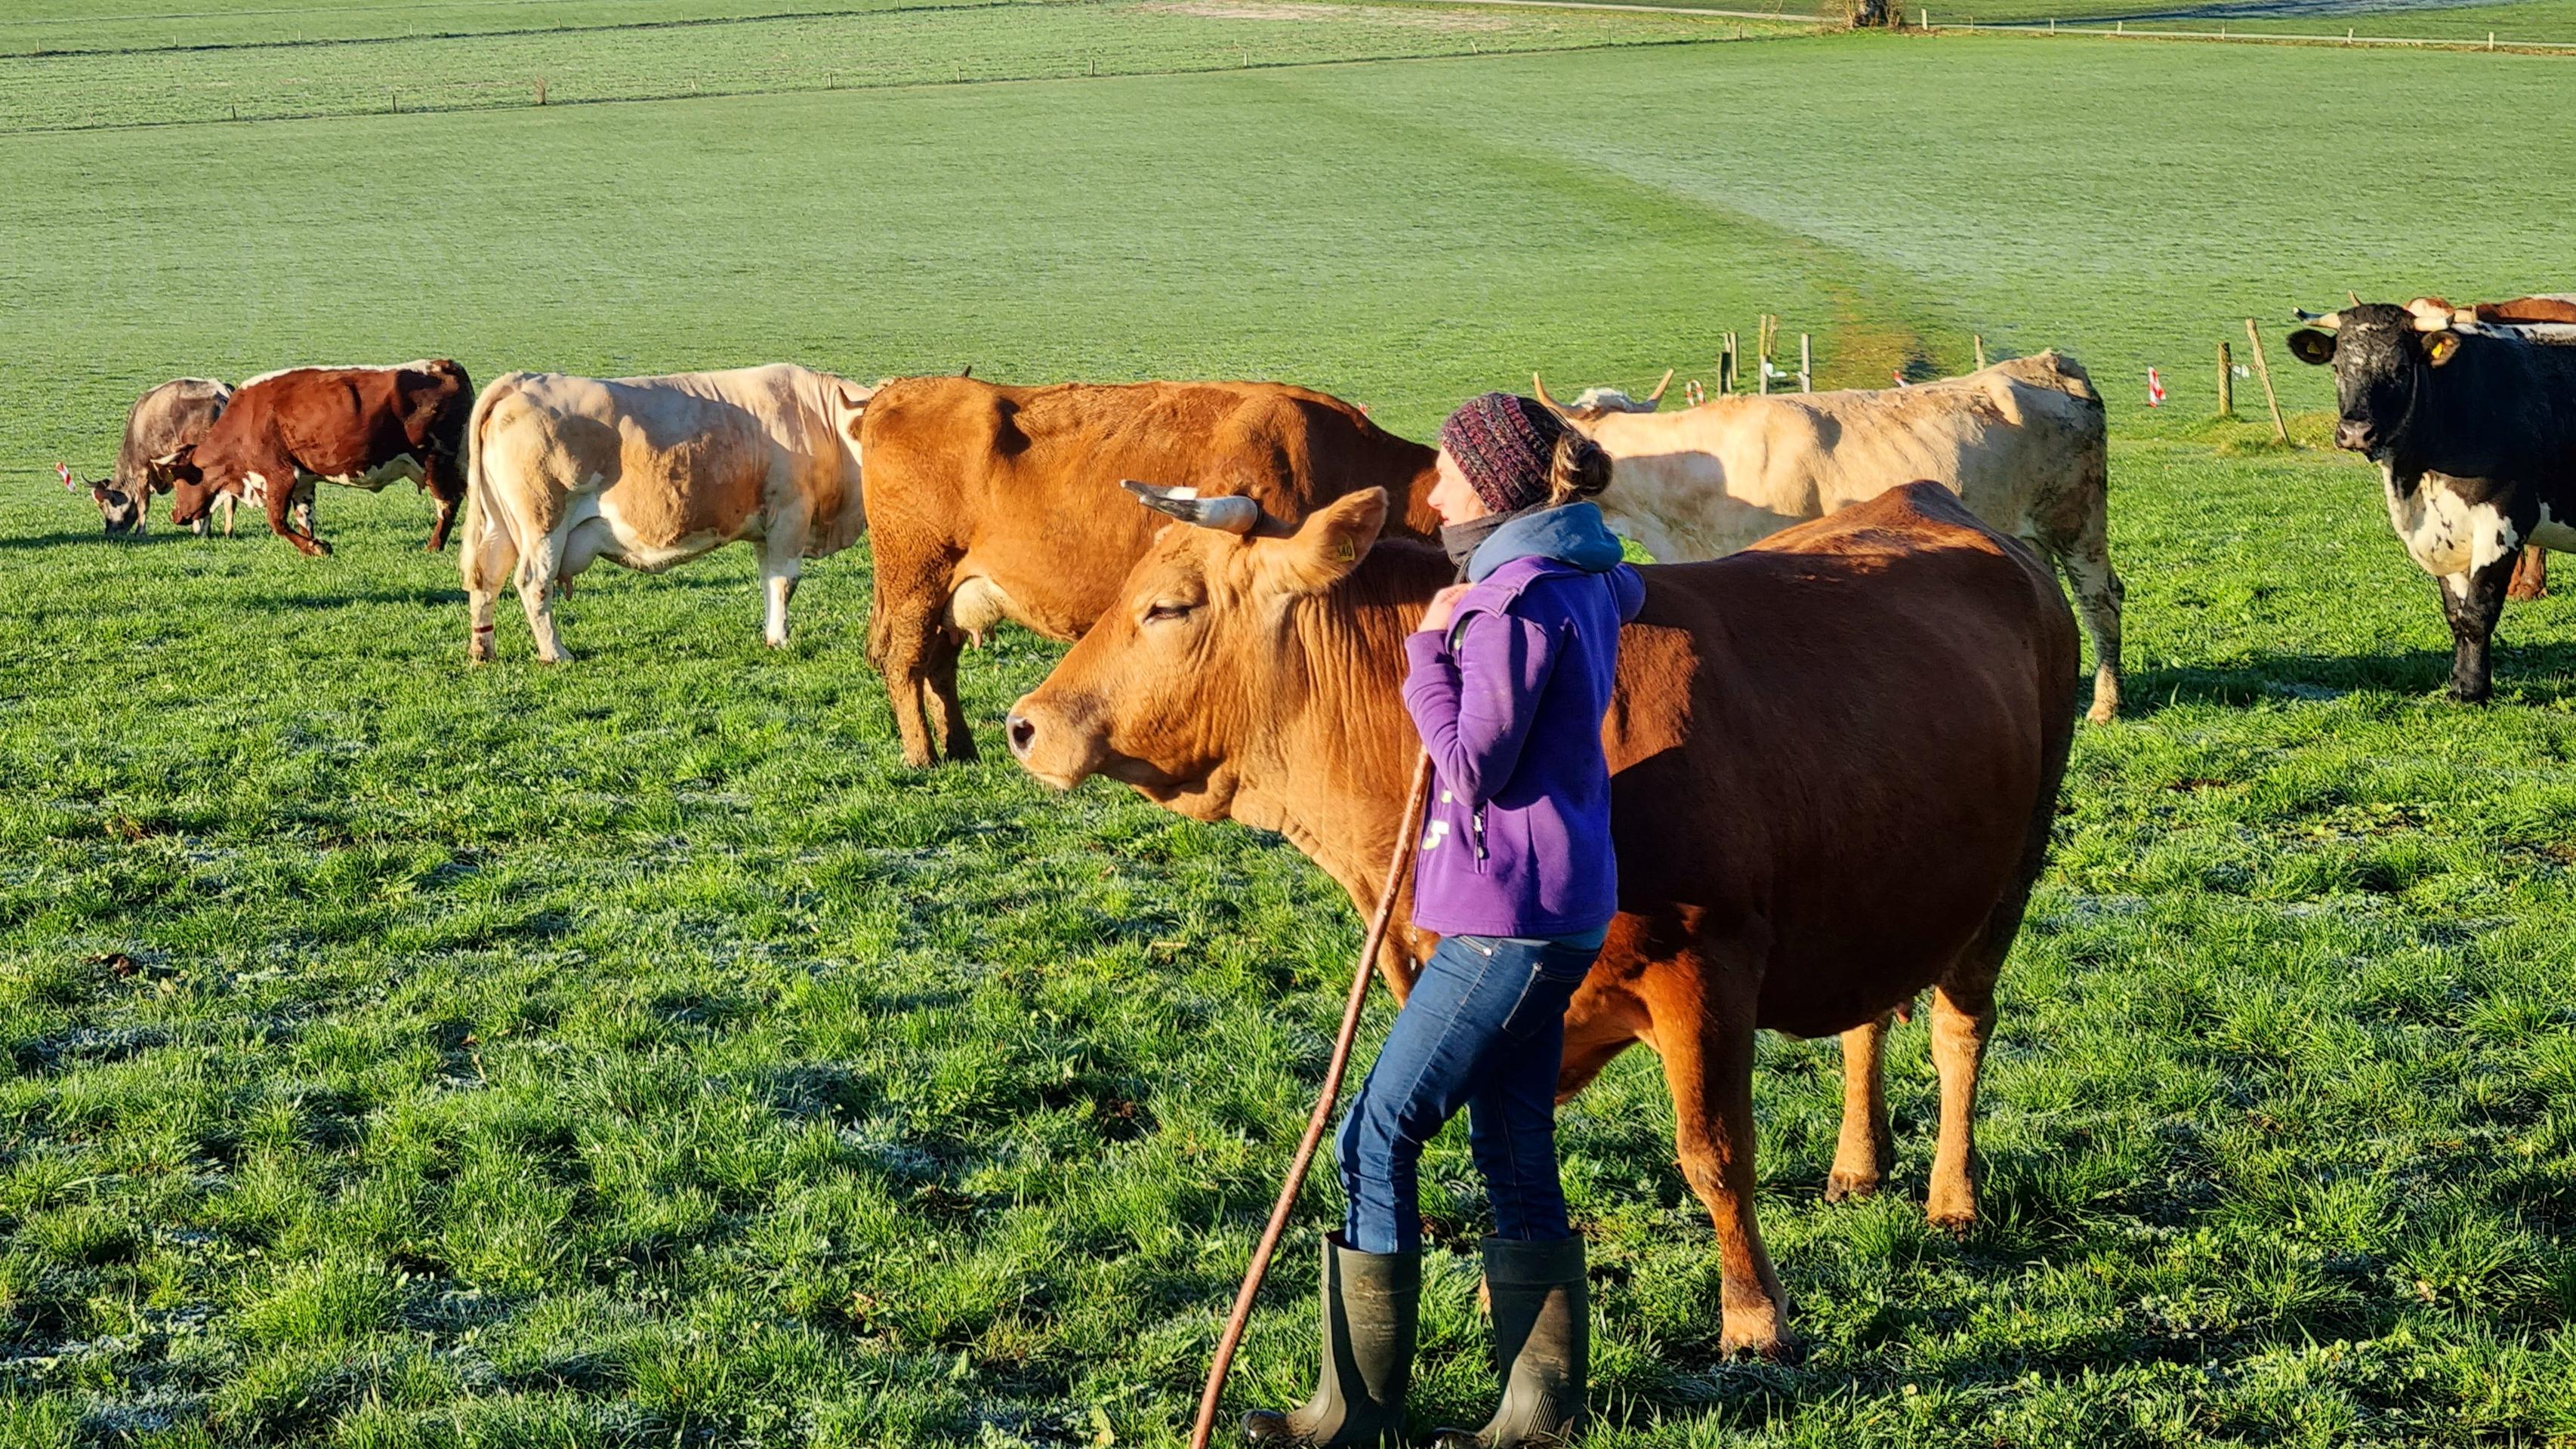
[[1437, 616]]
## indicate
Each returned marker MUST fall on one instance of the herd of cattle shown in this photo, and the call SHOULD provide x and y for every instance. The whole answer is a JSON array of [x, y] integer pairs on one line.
[[1840, 721]]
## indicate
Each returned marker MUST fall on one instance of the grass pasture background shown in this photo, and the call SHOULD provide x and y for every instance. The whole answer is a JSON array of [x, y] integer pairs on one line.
[[635, 1053]]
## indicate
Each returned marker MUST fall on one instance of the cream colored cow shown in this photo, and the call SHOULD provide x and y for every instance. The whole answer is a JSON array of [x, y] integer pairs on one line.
[[2022, 443], [650, 471]]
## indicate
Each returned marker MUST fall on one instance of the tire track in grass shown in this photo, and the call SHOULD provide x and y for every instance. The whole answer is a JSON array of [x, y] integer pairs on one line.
[[1869, 318]]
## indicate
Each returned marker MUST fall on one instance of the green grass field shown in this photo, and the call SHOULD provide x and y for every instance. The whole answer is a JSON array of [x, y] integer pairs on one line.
[[636, 1053]]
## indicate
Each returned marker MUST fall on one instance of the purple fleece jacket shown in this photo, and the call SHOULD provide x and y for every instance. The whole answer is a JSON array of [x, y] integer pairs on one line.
[[1509, 700]]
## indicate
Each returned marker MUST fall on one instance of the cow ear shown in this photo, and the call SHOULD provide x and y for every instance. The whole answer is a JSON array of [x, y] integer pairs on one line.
[[2312, 347], [1327, 547], [2441, 347], [856, 400]]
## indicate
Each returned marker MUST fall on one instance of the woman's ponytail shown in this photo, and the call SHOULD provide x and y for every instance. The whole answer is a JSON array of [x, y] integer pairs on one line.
[[1578, 470]]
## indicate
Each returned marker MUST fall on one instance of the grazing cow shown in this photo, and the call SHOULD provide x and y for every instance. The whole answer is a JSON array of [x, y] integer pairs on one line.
[[990, 503], [169, 417], [1835, 760], [2474, 432], [2022, 443], [649, 471], [359, 427]]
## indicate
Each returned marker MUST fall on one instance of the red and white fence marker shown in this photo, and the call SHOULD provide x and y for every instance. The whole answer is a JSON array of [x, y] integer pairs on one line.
[[2155, 389]]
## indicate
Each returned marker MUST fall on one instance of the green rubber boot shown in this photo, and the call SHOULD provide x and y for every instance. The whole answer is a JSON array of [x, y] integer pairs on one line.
[[1542, 1345], [1370, 1301]]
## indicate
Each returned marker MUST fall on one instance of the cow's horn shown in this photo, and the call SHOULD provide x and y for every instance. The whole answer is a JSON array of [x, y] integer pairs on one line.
[[1552, 405], [2430, 315], [2322, 321], [2353, 297], [1225, 513], [1657, 395]]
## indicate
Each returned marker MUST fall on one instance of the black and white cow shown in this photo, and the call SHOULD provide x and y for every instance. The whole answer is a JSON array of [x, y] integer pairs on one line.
[[2474, 431]]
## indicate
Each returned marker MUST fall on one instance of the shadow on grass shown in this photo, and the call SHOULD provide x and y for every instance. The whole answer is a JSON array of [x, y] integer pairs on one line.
[[322, 599], [2528, 674], [93, 535]]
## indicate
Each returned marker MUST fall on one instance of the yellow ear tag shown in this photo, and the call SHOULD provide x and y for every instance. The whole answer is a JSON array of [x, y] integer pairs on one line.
[[1344, 553]]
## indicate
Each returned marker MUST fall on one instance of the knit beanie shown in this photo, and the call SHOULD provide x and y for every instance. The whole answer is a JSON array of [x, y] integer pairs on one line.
[[1506, 446]]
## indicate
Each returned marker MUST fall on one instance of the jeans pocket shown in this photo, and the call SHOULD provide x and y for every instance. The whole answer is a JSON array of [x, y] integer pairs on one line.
[[1541, 1002]]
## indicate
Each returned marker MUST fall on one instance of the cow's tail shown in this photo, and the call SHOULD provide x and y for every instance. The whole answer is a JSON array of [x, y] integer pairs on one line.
[[490, 548], [2077, 533]]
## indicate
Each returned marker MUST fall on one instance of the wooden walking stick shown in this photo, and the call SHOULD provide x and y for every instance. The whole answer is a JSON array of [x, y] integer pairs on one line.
[[1407, 827]]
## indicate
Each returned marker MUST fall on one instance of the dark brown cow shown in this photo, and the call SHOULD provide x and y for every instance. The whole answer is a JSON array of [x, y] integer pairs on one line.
[[361, 427], [170, 416], [1835, 760], [988, 503]]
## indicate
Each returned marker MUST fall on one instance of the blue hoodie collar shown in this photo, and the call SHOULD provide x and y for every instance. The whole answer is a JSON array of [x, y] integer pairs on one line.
[[1573, 535]]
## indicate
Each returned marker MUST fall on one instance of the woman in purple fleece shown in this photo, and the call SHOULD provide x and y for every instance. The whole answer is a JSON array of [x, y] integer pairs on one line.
[[1509, 676]]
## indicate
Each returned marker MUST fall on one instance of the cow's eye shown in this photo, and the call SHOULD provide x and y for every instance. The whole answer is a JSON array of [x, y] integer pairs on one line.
[[1169, 609]]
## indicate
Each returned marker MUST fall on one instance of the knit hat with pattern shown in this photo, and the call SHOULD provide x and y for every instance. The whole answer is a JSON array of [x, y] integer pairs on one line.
[[1506, 446]]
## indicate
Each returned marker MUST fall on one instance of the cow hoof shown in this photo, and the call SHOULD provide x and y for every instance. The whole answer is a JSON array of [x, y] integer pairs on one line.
[[1761, 1338], [2102, 713], [1850, 1186], [1957, 1222]]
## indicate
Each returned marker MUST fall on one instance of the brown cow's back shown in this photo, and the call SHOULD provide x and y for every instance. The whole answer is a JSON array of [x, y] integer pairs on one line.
[[1761, 752]]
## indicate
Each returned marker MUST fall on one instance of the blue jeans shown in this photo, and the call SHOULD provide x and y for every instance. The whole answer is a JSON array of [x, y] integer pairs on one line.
[[1484, 1029]]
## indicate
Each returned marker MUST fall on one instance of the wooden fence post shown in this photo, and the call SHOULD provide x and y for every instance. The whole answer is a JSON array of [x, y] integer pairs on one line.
[[541, 90], [2226, 381], [1806, 364], [1762, 353], [1726, 366], [1979, 339], [2263, 370]]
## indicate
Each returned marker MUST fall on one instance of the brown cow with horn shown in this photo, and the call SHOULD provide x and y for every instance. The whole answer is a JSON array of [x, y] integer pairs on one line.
[[1835, 761], [988, 504]]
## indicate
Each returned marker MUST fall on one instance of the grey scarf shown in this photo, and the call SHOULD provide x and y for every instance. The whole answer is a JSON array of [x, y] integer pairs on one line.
[[1460, 540]]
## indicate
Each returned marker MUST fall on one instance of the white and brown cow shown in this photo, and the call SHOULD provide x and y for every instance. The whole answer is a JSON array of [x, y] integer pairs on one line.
[[650, 471], [359, 427], [169, 417], [2023, 443]]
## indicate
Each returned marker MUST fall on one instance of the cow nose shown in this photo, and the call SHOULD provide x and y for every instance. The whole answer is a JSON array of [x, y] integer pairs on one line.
[[2356, 437], [1022, 732]]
